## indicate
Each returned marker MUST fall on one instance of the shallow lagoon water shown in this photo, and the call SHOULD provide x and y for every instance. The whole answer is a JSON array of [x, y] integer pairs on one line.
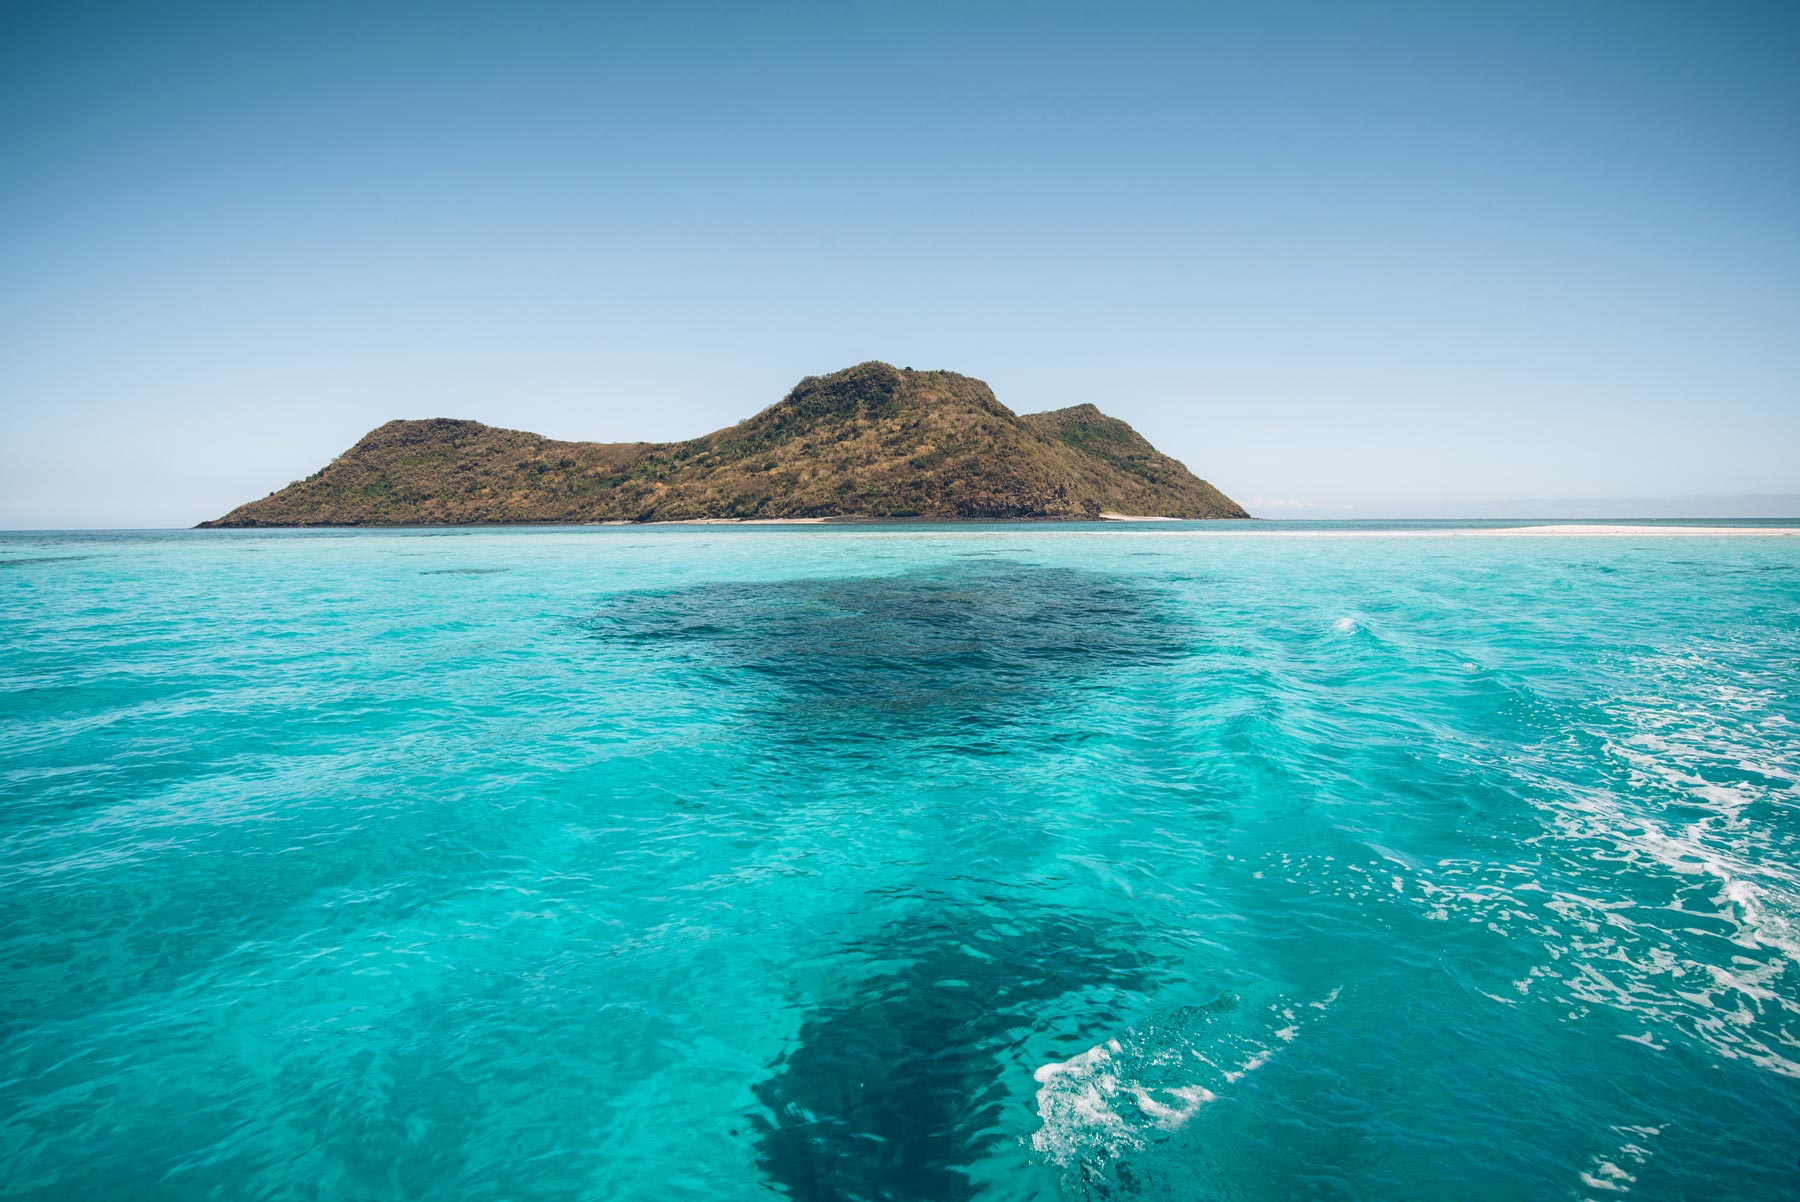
[[898, 862]]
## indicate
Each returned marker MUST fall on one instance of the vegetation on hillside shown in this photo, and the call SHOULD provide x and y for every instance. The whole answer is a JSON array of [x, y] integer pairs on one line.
[[870, 441]]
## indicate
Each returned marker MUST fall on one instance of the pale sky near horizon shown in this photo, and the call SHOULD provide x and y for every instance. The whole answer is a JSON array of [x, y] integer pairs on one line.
[[1339, 258]]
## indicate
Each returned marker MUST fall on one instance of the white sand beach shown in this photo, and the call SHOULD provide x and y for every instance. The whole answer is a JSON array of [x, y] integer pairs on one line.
[[1592, 531], [1271, 530]]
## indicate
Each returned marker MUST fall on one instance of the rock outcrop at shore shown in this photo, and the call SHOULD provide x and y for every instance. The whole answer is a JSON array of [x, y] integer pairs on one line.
[[870, 441]]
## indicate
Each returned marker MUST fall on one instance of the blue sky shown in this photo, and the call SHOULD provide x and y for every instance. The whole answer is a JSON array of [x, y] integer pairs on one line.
[[1339, 258]]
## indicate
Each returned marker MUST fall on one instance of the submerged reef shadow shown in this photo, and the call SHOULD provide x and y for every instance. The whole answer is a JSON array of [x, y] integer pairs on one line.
[[943, 651], [901, 1080], [897, 1087]]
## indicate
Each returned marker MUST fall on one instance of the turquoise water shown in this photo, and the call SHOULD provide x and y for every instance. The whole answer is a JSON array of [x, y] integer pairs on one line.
[[898, 862]]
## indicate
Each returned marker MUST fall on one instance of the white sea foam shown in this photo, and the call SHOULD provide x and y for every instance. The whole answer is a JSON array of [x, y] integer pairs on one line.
[[1616, 1171], [1699, 782], [1685, 800], [1097, 1105], [1119, 1095]]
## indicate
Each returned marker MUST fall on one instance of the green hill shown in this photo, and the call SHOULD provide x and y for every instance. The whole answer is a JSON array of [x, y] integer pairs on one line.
[[869, 441]]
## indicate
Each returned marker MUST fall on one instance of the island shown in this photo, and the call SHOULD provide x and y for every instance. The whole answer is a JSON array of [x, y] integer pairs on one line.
[[871, 441]]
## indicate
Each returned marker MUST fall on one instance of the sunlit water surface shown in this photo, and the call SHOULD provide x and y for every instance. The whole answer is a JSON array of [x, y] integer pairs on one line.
[[898, 862]]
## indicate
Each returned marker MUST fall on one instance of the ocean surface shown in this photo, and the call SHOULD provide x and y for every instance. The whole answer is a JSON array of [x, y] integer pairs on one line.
[[903, 862]]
